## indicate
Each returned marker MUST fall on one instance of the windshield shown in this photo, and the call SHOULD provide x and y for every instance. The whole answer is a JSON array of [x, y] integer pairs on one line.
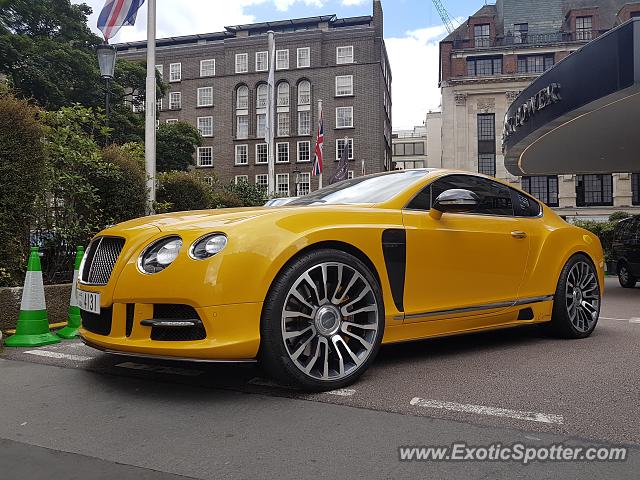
[[370, 189]]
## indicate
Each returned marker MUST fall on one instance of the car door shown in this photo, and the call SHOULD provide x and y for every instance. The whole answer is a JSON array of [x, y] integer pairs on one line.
[[463, 264], [632, 245]]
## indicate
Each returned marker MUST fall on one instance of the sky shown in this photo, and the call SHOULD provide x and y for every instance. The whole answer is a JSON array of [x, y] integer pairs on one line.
[[413, 29]]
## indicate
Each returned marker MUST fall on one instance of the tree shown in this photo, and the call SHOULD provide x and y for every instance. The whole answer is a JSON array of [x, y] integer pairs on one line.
[[22, 164], [181, 191], [176, 145], [125, 196]]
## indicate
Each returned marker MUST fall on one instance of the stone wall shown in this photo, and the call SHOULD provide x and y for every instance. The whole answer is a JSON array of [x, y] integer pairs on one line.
[[56, 296]]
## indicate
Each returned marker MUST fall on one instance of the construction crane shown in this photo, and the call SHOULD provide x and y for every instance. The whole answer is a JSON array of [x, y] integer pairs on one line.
[[444, 15]]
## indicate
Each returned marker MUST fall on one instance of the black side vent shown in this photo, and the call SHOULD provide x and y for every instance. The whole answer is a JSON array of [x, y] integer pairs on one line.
[[173, 333], [131, 308], [525, 314], [97, 323], [394, 248]]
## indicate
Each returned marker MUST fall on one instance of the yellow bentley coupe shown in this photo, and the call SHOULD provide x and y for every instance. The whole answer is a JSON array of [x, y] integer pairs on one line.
[[312, 289]]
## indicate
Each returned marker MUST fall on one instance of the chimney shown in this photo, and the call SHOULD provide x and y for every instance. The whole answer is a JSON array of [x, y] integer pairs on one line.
[[378, 18]]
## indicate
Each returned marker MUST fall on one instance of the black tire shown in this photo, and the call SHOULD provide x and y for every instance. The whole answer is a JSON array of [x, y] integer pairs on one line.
[[626, 279], [275, 356], [582, 323]]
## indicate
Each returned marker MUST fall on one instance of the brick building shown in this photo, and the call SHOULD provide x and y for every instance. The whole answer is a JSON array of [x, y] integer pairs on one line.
[[495, 54], [217, 82]]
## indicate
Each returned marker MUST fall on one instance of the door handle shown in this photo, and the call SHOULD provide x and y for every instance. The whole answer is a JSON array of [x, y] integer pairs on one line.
[[519, 234]]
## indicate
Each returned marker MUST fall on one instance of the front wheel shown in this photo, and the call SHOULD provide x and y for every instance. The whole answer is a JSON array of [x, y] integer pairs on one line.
[[625, 278], [576, 305], [323, 321]]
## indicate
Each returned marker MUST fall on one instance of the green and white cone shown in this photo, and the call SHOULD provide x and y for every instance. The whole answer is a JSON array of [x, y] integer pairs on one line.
[[73, 322], [33, 325]]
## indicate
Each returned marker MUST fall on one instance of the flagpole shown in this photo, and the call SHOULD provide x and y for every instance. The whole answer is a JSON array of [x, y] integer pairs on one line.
[[319, 117], [150, 107], [271, 116]]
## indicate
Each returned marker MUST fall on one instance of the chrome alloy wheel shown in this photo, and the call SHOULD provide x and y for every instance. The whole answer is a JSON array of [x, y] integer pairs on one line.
[[623, 273], [330, 321], [582, 296]]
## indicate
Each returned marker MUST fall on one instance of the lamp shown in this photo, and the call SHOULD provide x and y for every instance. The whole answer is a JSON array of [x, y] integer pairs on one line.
[[107, 62]]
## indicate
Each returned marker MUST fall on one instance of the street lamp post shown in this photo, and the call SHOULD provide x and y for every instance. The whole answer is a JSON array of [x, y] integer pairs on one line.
[[107, 62]]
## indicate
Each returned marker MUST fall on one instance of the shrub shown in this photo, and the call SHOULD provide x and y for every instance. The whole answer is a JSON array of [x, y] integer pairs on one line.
[[22, 166], [180, 191], [250, 195], [123, 196]]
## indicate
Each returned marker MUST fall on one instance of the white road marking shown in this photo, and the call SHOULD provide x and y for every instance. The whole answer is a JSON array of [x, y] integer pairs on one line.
[[263, 382], [634, 320], [630, 320], [160, 369], [342, 392], [67, 356], [484, 410]]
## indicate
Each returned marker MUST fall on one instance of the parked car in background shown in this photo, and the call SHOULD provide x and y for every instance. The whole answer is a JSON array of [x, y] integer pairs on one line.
[[626, 251]]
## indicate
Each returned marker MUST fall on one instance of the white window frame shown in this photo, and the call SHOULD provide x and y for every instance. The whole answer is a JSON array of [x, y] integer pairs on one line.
[[278, 183], [283, 94], [175, 74], [302, 49], [160, 70], [172, 120], [264, 185], [338, 109], [201, 150], [349, 174], [242, 59], [344, 58], [241, 178], [299, 92], [307, 182], [283, 130], [262, 96], [261, 125], [350, 86], [173, 102], [239, 134], [266, 154], [201, 93], [278, 144], [349, 141], [307, 142], [209, 126], [282, 63], [262, 58], [208, 180], [212, 63], [244, 88], [304, 132], [238, 154]]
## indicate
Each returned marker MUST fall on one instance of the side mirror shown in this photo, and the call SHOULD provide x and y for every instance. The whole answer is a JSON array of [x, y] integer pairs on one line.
[[455, 200]]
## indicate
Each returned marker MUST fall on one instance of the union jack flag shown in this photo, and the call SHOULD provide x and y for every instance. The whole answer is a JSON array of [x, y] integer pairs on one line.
[[317, 160], [116, 14]]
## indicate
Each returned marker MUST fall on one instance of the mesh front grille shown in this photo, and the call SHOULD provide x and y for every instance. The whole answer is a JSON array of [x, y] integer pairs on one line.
[[97, 323], [101, 258], [176, 334]]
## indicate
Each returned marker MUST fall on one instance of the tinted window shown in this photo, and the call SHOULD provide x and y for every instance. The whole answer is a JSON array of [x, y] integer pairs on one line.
[[495, 198], [524, 206]]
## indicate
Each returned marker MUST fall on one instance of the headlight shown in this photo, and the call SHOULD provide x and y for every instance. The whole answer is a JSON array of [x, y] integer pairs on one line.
[[208, 246], [159, 255]]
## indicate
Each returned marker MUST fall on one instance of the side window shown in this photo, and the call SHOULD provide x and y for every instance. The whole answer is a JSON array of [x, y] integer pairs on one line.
[[523, 205]]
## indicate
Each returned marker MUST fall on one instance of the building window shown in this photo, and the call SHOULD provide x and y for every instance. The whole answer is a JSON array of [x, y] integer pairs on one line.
[[484, 66], [535, 63], [242, 98], [349, 174], [594, 190], [207, 67], [205, 156], [544, 188], [262, 61], [304, 122], [160, 69], [344, 55], [262, 153], [304, 93], [175, 72], [487, 144], [283, 94], [344, 117], [283, 124], [242, 126], [262, 181], [408, 149], [635, 188], [261, 125], [175, 101], [304, 57], [241, 179], [520, 32], [242, 155], [205, 126], [242, 62], [344, 85], [208, 180], [304, 152], [482, 35], [262, 95], [340, 143], [584, 28], [282, 59], [172, 120], [282, 184], [205, 97], [282, 150], [304, 184]]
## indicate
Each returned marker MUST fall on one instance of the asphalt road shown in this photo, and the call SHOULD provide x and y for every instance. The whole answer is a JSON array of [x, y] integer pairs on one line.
[[73, 412]]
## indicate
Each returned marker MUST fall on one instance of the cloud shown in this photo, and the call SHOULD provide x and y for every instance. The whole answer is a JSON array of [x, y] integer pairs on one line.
[[414, 65], [351, 3]]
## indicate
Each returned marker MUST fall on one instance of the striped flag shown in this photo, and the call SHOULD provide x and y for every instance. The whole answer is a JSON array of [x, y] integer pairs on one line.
[[318, 158], [116, 14]]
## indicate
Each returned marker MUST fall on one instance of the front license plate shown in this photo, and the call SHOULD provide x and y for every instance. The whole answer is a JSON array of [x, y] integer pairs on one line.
[[89, 301]]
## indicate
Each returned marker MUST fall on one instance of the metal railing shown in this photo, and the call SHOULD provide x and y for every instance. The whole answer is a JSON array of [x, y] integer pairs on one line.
[[526, 39]]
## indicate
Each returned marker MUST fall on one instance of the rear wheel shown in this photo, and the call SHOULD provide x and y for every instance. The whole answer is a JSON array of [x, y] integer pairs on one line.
[[323, 321], [576, 305], [626, 279]]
